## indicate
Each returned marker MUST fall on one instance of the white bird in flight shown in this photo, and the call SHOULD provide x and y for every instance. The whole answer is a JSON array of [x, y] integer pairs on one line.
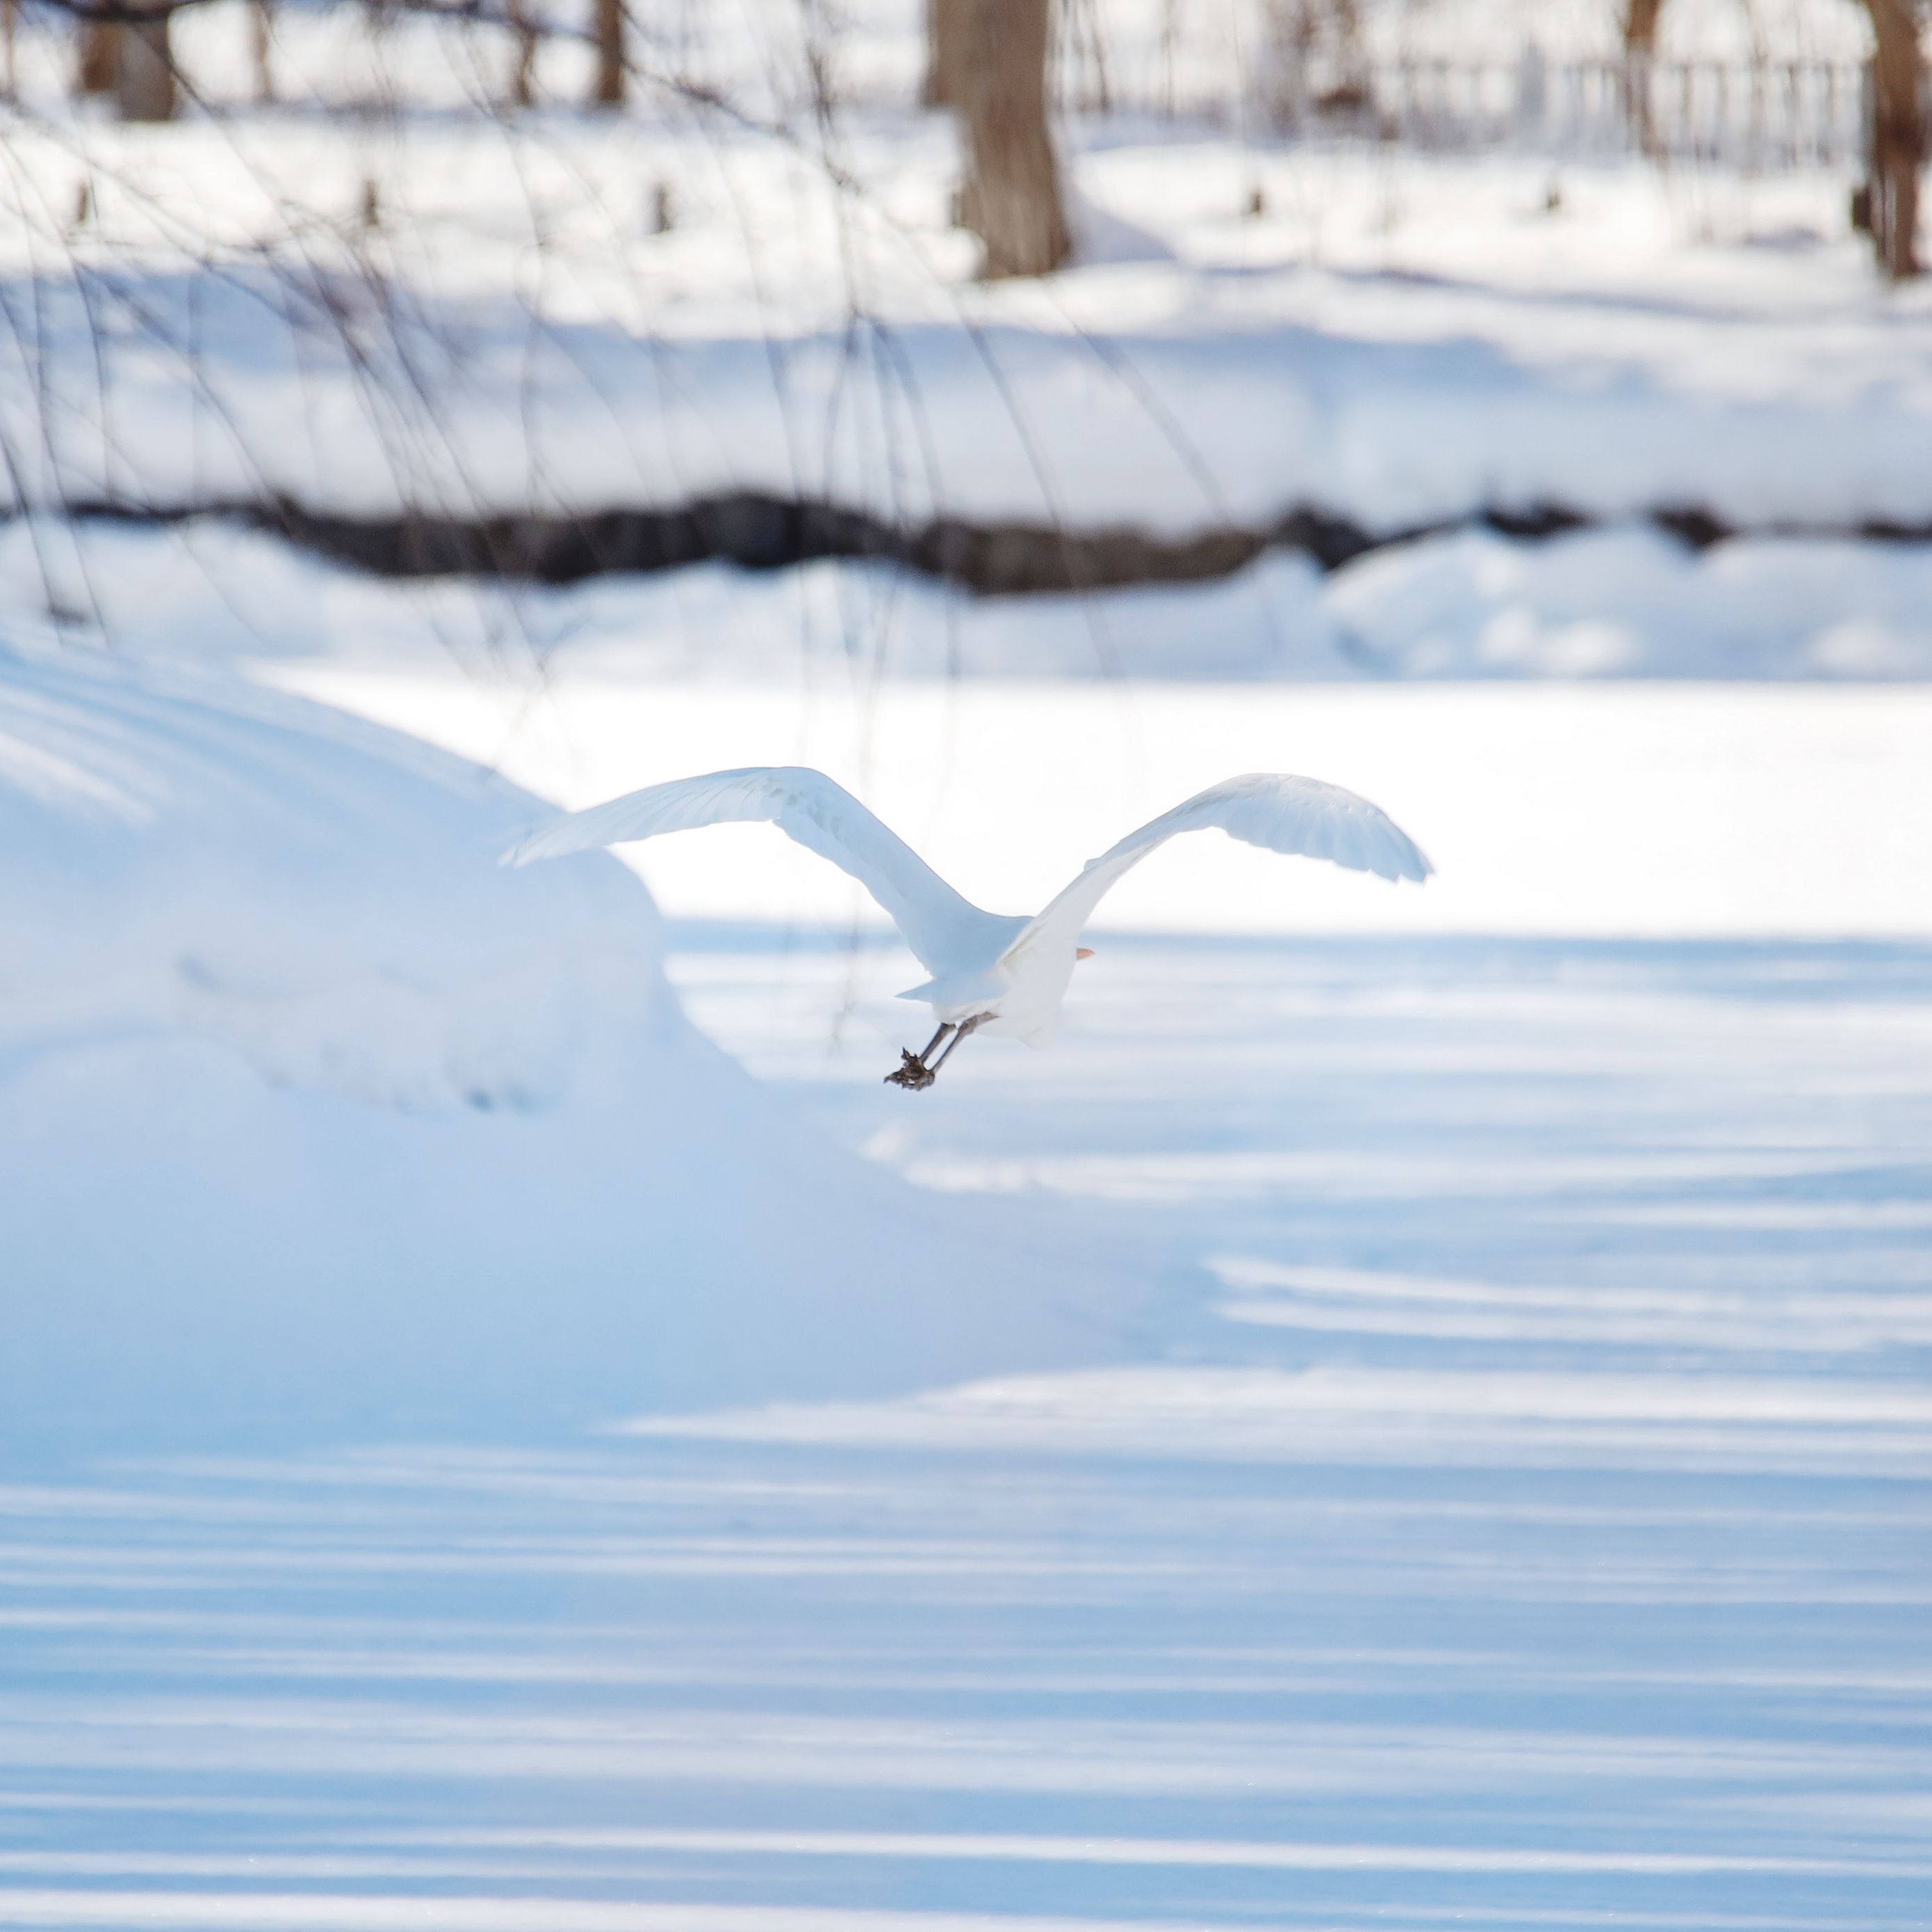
[[990, 970]]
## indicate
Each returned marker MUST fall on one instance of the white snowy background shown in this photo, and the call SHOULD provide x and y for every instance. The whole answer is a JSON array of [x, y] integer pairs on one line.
[[1414, 1411]]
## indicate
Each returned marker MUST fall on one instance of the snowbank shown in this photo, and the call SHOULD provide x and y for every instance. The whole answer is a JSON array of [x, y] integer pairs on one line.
[[1633, 602], [1625, 601], [319, 1125]]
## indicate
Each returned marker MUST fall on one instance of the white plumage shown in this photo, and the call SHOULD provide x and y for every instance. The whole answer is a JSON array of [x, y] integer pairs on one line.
[[990, 970]]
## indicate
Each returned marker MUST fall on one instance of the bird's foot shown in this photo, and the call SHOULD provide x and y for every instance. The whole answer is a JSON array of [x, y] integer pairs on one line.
[[912, 1073]]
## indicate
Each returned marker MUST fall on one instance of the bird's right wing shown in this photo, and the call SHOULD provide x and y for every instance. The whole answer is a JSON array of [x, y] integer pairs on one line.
[[944, 930], [1307, 816]]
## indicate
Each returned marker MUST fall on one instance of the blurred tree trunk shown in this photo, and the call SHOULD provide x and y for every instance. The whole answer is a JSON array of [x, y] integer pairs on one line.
[[944, 21], [1640, 25], [608, 90], [1010, 198], [1355, 54], [145, 87], [1640, 19], [9, 83], [261, 37], [1333, 28], [523, 28], [1317, 60], [99, 66], [1898, 136]]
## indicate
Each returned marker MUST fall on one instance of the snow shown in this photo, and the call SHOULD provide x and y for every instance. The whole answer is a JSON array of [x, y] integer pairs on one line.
[[1400, 338], [1671, 811], [1347, 1615], [1393, 405], [1633, 602], [1625, 603], [1367, 1420], [1415, 1409], [321, 1126]]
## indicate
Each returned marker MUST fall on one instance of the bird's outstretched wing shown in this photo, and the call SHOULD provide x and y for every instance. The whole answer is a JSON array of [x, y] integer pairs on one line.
[[946, 931], [1306, 816]]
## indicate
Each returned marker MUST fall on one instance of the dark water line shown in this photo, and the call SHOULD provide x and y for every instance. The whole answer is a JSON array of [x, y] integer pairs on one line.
[[758, 532]]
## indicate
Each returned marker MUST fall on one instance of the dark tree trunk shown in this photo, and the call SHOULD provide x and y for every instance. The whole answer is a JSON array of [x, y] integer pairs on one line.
[[1011, 196], [262, 38], [1898, 136], [523, 85], [1640, 25], [1640, 19], [945, 21], [608, 89], [145, 88], [1317, 60], [99, 67]]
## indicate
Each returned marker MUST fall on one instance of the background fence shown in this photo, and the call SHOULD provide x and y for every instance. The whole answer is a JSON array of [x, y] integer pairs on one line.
[[1227, 65], [1757, 115]]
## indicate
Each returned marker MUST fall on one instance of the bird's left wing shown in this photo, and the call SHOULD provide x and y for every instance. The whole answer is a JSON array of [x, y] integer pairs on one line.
[[944, 930], [1305, 816]]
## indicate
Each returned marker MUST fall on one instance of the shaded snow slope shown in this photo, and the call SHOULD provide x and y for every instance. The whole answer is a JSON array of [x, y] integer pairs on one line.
[[316, 1124]]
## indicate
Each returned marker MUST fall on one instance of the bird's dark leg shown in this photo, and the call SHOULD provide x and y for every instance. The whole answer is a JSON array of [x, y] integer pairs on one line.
[[912, 1071], [959, 1034]]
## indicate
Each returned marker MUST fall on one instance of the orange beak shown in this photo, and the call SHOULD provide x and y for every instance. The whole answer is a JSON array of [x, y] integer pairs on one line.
[[1083, 953]]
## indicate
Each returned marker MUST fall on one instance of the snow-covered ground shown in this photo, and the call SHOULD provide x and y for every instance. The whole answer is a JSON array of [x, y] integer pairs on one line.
[[320, 1126], [1414, 1411], [1397, 342], [1397, 337], [1367, 1428], [1627, 602], [199, 315], [1525, 1523], [1738, 812]]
